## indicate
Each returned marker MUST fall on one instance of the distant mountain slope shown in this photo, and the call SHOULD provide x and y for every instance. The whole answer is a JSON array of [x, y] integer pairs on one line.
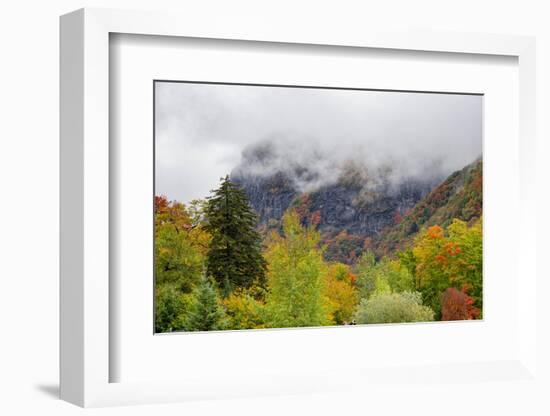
[[333, 208], [360, 207], [459, 196]]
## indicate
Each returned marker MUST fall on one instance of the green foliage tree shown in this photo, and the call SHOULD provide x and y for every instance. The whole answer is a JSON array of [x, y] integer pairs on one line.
[[393, 308], [383, 276], [399, 278], [466, 268], [234, 257], [295, 295], [170, 307], [180, 246], [204, 312], [430, 270], [408, 261], [180, 251], [366, 276]]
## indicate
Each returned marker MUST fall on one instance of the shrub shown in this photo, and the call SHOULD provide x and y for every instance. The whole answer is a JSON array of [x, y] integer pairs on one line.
[[393, 308]]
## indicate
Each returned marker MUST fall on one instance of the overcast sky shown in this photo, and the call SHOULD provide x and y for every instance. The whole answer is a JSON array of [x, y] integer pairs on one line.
[[202, 130]]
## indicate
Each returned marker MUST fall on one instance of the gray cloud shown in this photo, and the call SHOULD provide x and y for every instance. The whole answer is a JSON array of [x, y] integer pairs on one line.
[[202, 131]]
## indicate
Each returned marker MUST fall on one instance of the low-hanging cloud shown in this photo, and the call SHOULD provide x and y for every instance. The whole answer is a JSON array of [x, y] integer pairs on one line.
[[205, 131]]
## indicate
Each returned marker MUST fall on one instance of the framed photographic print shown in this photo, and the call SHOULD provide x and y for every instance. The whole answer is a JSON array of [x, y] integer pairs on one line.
[[262, 212]]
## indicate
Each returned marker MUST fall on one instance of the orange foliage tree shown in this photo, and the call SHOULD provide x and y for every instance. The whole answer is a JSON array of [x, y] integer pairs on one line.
[[340, 292], [449, 258]]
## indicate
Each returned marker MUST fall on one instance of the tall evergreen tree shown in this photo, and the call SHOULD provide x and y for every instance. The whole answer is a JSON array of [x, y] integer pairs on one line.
[[204, 314], [234, 259]]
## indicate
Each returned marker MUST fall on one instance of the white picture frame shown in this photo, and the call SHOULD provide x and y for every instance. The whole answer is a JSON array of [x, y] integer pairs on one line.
[[85, 355]]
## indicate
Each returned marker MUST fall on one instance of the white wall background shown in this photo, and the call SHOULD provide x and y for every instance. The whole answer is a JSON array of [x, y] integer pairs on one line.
[[29, 205]]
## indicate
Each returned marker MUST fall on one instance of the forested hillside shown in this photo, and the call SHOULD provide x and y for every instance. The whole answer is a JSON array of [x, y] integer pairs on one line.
[[460, 196]]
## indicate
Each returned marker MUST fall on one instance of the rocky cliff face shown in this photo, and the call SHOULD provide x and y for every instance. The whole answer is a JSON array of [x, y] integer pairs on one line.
[[341, 206], [356, 206], [345, 207], [269, 196]]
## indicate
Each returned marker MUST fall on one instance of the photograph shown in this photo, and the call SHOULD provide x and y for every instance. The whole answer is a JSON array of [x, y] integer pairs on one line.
[[282, 206]]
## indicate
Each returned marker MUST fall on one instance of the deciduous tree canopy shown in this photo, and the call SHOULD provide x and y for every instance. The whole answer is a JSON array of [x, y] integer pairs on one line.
[[296, 288]]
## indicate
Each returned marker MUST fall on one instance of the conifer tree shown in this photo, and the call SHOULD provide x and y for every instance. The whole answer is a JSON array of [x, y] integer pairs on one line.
[[205, 314], [234, 258]]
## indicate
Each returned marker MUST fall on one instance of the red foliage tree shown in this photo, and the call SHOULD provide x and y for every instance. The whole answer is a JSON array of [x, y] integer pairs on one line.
[[397, 217], [161, 203], [302, 207], [456, 305], [315, 218]]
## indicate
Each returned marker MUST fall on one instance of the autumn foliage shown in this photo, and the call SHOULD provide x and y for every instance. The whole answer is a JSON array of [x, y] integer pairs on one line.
[[460, 197], [215, 268], [456, 305], [341, 292]]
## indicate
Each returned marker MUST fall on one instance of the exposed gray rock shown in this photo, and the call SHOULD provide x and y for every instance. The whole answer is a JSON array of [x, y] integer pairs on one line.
[[341, 206]]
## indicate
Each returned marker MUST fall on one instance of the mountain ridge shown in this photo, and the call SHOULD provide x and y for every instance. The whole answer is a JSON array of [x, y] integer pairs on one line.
[[362, 210], [460, 196]]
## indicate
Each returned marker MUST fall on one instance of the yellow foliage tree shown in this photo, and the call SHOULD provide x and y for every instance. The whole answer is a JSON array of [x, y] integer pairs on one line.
[[243, 310], [296, 287], [340, 292]]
